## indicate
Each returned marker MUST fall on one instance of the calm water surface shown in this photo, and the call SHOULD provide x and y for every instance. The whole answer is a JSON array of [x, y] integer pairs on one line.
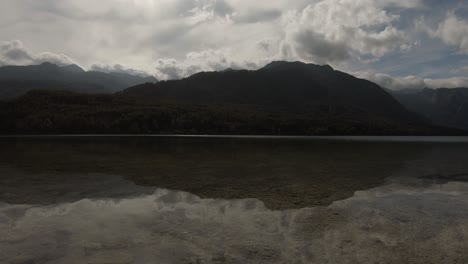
[[125, 199]]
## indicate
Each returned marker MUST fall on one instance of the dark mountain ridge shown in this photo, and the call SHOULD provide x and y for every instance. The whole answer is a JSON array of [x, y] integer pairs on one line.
[[17, 80], [282, 86], [282, 98]]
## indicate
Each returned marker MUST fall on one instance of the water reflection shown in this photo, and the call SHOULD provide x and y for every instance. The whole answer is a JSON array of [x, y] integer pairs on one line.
[[111, 200], [283, 173], [389, 224]]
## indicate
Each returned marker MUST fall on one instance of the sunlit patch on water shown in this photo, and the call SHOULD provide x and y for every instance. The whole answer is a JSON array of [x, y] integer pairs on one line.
[[393, 223]]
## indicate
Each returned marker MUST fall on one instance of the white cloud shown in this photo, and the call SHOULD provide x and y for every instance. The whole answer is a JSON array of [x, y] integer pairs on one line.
[[453, 31], [412, 82], [327, 31], [447, 83], [208, 60], [119, 68], [15, 53], [335, 30]]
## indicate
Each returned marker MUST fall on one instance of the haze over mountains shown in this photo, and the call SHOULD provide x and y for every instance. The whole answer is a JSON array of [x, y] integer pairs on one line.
[[443, 106], [17, 80], [280, 98]]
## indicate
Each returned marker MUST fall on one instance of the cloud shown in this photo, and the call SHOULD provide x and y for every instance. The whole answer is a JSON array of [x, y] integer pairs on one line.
[[177, 227], [257, 16], [401, 3], [453, 31], [170, 69], [412, 82], [352, 35], [336, 30], [393, 83], [326, 31], [208, 60], [119, 69], [15, 53], [447, 83], [314, 47]]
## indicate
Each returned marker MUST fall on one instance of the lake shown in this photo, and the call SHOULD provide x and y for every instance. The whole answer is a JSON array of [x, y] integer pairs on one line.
[[214, 199]]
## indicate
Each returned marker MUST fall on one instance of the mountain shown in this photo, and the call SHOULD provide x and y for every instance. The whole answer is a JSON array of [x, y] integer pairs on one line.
[[445, 107], [17, 80], [282, 98], [293, 87], [72, 68]]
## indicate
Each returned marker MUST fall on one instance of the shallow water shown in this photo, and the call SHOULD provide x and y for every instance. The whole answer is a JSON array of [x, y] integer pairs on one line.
[[233, 200]]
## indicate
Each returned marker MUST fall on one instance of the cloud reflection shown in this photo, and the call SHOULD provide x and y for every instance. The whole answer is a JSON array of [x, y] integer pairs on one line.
[[390, 224]]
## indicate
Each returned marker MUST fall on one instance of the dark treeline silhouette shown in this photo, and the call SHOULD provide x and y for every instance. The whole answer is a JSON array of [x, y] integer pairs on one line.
[[59, 112]]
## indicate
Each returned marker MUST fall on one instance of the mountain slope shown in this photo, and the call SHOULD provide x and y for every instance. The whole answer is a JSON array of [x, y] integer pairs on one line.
[[445, 107], [17, 80], [283, 86]]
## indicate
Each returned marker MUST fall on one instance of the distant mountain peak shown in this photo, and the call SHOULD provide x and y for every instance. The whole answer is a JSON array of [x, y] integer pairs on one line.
[[47, 65], [275, 64], [327, 67]]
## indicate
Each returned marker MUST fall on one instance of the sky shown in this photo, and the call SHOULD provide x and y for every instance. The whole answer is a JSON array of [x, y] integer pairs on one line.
[[398, 44]]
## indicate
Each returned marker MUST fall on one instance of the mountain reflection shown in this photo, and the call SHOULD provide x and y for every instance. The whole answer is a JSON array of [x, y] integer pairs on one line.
[[283, 173]]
